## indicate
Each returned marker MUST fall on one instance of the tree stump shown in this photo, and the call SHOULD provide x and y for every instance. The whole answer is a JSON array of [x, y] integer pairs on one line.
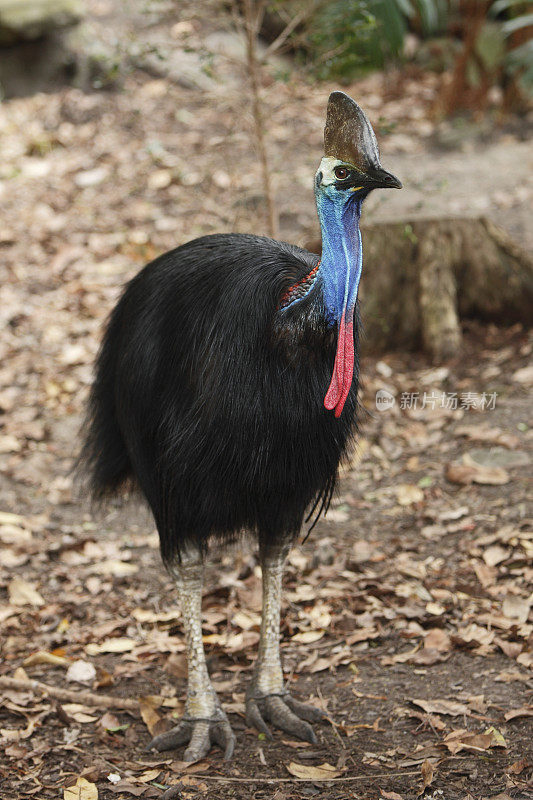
[[421, 277]]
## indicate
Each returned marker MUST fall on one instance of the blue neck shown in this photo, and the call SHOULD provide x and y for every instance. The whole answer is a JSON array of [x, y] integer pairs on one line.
[[342, 253]]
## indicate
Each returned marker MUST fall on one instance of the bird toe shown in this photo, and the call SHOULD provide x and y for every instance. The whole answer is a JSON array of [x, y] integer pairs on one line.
[[200, 742], [198, 734], [171, 739], [254, 718], [305, 711], [279, 714], [222, 734]]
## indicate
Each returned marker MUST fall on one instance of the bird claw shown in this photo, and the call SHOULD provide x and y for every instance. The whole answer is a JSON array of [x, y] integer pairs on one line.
[[285, 713], [199, 734]]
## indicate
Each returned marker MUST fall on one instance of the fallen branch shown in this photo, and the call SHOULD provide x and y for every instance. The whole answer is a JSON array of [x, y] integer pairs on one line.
[[71, 695], [307, 780]]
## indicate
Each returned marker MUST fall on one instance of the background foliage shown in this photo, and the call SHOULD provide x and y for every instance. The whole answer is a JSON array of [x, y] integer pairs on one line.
[[491, 40]]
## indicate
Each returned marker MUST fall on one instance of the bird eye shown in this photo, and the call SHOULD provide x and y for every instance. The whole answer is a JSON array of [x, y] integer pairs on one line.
[[341, 173]]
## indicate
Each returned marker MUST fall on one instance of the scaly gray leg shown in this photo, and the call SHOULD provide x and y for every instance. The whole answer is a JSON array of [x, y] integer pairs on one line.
[[267, 698], [204, 721]]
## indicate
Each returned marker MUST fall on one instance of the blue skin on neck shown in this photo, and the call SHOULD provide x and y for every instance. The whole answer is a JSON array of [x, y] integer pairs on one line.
[[342, 253]]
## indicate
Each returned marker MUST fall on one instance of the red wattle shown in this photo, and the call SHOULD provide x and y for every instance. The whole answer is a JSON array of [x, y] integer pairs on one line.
[[341, 380]]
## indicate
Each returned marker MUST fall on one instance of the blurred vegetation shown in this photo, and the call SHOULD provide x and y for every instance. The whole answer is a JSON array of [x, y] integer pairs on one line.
[[489, 42], [347, 37]]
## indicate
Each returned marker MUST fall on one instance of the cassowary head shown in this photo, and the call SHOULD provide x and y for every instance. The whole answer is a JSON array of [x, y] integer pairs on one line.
[[351, 162]]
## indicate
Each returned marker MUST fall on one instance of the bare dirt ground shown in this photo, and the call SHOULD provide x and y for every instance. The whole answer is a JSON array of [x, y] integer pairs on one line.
[[407, 613]]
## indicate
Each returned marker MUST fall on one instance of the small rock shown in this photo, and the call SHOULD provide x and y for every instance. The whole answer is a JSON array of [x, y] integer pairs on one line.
[[524, 375], [81, 672], [31, 19], [384, 370], [90, 177], [160, 179]]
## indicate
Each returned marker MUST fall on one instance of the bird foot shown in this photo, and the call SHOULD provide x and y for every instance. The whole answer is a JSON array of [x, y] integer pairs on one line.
[[284, 712], [199, 734]]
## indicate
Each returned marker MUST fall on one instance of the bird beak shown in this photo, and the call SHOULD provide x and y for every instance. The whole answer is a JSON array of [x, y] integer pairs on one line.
[[381, 179]]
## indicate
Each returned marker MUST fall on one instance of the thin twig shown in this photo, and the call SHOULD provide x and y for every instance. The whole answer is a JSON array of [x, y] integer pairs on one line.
[[298, 18], [331, 720], [70, 695], [251, 26], [345, 779], [284, 35]]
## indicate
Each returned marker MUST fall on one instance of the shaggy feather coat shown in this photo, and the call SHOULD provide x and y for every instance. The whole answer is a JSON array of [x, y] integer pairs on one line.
[[209, 396]]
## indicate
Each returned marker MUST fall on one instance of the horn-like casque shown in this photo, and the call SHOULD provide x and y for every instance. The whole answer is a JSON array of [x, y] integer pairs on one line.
[[348, 134]]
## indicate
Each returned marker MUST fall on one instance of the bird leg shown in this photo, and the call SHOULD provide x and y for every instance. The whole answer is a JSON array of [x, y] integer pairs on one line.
[[204, 721], [267, 698]]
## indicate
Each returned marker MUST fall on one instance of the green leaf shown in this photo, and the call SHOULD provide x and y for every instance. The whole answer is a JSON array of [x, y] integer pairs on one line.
[[490, 45], [520, 60], [502, 5], [429, 13], [405, 7], [516, 24]]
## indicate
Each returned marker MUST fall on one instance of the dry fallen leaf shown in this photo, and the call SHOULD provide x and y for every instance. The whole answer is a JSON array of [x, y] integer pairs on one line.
[[524, 375], [323, 772], [473, 635], [82, 790], [511, 649], [362, 635], [362, 551], [149, 775], [526, 659], [408, 493], [15, 734], [246, 620], [144, 615], [495, 555], [23, 593], [308, 637], [477, 433], [428, 773], [118, 645], [516, 608], [477, 703], [42, 657], [518, 766], [438, 639], [150, 715], [463, 740], [109, 721], [115, 567], [10, 444], [525, 711], [450, 707], [8, 518], [469, 471], [79, 713], [510, 675]]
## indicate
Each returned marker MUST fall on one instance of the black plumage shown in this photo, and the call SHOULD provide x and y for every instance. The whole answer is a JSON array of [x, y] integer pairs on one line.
[[209, 395]]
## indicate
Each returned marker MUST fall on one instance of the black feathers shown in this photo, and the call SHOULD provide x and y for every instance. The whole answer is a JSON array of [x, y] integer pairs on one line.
[[209, 397]]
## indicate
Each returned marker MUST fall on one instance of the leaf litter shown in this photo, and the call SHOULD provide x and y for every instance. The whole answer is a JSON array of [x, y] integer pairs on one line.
[[417, 585]]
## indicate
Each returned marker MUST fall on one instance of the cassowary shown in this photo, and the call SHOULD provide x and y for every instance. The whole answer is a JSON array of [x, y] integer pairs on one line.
[[226, 390]]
